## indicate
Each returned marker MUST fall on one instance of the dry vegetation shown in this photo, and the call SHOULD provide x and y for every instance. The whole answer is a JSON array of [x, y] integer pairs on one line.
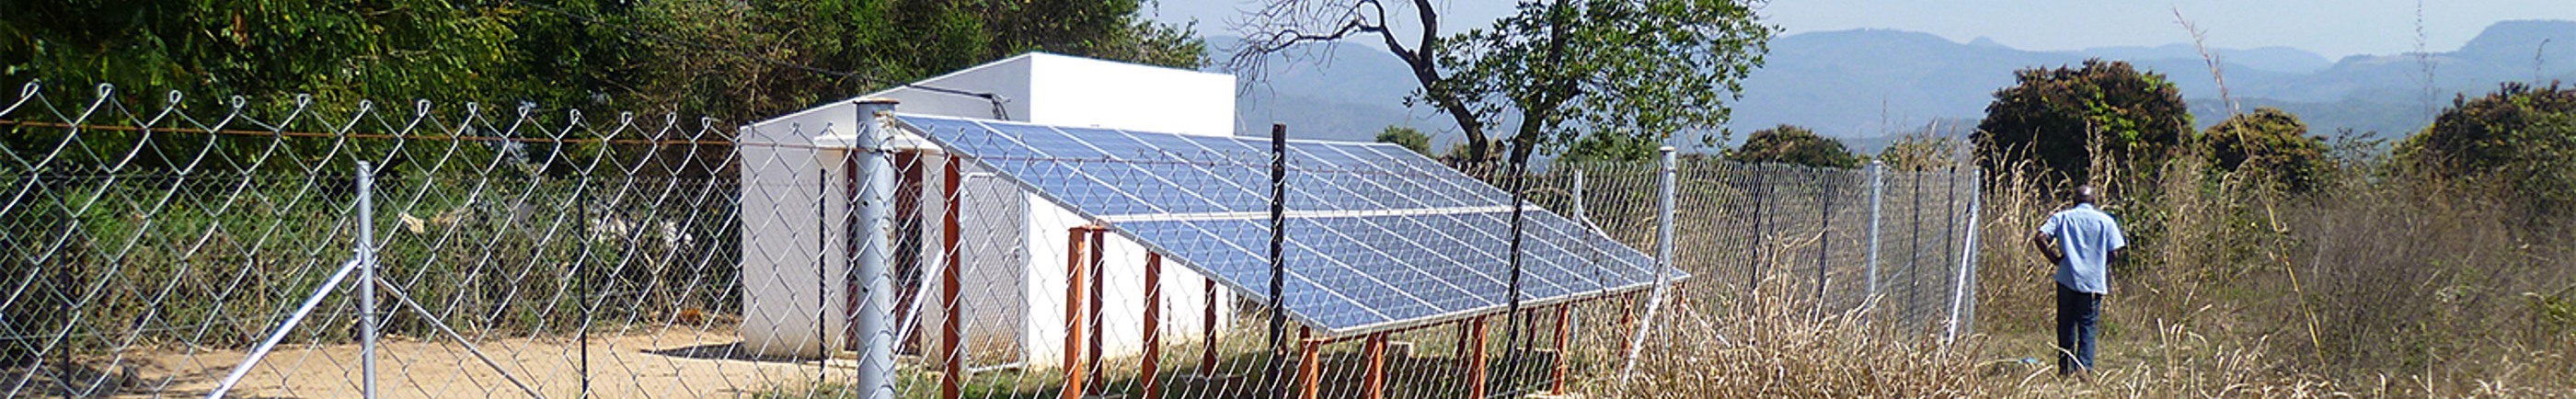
[[2377, 284]]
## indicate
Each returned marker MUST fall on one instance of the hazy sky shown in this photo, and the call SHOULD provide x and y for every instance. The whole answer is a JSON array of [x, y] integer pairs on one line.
[[2333, 28]]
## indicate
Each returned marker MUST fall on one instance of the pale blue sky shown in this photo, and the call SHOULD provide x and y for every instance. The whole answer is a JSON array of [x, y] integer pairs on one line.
[[2333, 28]]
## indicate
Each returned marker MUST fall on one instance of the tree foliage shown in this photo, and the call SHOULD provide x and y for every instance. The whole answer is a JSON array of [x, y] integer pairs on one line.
[[1920, 152], [1641, 68], [1612, 148], [2268, 147], [1791, 144], [730, 60], [1406, 137], [2068, 122], [2521, 138]]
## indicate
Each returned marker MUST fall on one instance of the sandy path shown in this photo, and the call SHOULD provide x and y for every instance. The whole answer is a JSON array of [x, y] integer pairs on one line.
[[667, 364]]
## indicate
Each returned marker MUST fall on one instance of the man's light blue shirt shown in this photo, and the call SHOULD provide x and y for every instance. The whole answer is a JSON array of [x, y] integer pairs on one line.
[[2087, 236]]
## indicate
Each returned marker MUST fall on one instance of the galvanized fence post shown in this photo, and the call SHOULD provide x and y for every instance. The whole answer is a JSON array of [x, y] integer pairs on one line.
[[1663, 262], [1967, 272], [1877, 194], [876, 222], [367, 279]]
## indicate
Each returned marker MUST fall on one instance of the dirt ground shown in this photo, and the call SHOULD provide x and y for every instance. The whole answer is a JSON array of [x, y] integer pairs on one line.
[[674, 363]]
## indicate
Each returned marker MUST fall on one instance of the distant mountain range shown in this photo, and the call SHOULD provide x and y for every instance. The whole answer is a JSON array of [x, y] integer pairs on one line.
[[1867, 85]]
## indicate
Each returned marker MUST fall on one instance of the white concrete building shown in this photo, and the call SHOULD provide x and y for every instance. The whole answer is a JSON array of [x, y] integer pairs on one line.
[[1014, 246]]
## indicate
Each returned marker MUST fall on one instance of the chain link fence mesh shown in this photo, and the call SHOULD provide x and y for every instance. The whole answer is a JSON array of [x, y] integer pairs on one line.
[[148, 251]]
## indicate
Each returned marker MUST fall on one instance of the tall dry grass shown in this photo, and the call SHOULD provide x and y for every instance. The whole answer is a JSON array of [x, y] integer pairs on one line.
[[2378, 284]]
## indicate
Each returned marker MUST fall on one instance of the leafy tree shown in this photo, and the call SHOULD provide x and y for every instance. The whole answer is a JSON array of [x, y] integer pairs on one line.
[[2064, 120], [1920, 152], [266, 48], [1646, 68], [2520, 138], [1406, 137], [733, 61], [1791, 144], [1463, 155], [1612, 147], [882, 41], [2270, 147]]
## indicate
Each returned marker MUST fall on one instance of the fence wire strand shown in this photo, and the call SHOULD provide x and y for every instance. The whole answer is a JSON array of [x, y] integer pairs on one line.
[[145, 250]]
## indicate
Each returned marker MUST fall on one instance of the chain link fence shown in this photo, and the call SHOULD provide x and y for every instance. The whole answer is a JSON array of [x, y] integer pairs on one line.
[[198, 248]]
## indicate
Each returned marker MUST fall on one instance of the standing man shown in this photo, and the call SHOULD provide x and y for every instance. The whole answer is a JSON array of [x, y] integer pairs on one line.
[[2085, 242]]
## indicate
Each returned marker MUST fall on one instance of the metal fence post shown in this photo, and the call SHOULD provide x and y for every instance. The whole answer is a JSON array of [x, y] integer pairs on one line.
[[1825, 232], [1663, 261], [367, 279], [1967, 265], [1579, 215], [1753, 269], [1877, 194], [1278, 260], [876, 222], [1914, 252]]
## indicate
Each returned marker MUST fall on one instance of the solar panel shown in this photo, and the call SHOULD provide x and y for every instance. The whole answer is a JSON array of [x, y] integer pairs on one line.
[[1377, 237]]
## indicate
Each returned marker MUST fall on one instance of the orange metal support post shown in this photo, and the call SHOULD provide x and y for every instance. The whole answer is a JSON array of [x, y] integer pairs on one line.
[[1476, 357], [1376, 388], [1627, 317], [952, 358], [1153, 330], [1098, 275], [1564, 332], [1309, 368], [1074, 292], [1207, 329]]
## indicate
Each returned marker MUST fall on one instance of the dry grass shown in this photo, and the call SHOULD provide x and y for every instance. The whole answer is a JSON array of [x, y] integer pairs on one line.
[[2376, 286]]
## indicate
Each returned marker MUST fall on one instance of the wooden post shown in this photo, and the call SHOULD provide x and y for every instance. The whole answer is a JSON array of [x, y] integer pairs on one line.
[[1309, 368], [1207, 329], [1074, 291], [911, 179], [1376, 388], [1099, 275], [1476, 358], [1627, 317], [951, 354], [1564, 332], [1153, 331]]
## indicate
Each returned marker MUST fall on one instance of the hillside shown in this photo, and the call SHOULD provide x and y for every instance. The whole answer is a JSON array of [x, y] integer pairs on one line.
[[1865, 84]]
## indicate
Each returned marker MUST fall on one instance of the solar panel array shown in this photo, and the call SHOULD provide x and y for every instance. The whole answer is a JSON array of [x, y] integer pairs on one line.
[[1378, 237]]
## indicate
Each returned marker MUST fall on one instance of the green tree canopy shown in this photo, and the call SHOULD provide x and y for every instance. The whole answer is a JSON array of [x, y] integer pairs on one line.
[[2521, 138], [1406, 137], [731, 60], [2270, 147], [1793, 145], [1559, 69], [2063, 120], [1611, 147], [1920, 152]]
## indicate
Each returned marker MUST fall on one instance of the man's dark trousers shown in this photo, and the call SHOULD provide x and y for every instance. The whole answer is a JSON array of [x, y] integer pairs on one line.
[[2076, 313]]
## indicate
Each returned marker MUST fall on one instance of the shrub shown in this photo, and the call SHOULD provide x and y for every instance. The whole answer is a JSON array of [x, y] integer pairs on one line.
[[2269, 148], [2520, 140]]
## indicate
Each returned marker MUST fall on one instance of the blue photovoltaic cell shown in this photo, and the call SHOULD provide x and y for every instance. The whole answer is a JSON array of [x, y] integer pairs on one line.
[[1378, 237]]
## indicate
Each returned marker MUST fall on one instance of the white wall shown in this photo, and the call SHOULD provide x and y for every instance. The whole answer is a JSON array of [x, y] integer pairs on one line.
[[1184, 294], [1071, 91], [1008, 78], [785, 228], [781, 187], [1075, 91]]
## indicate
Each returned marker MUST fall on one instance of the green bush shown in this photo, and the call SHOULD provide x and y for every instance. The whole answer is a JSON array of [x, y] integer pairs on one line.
[[2066, 122], [2269, 148], [1794, 145], [2519, 140]]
